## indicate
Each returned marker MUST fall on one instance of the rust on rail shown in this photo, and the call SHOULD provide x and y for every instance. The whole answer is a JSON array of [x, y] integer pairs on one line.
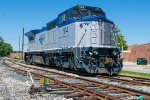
[[83, 89]]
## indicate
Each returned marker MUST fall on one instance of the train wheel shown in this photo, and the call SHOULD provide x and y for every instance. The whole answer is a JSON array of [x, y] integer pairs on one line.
[[65, 64], [110, 72], [57, 63], [72, 66], [47, 60]]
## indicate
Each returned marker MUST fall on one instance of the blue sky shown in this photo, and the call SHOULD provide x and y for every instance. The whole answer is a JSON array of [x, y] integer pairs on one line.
[[132, 16]]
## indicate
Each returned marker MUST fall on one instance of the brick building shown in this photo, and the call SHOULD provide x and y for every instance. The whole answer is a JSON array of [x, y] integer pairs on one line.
[[16, 55], [137, 51]]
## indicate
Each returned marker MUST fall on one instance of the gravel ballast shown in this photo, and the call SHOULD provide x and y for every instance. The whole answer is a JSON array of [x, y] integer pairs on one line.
[[48, 96], [14, 86]]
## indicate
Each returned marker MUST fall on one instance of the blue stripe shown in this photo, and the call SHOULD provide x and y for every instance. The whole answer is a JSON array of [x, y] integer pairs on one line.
[[70, 20], [91, 18], [55, 20], [36, 31]]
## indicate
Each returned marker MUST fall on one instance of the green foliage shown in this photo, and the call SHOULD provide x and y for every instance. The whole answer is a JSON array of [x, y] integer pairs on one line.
[[5, 48], [120, 40], [1, 40]]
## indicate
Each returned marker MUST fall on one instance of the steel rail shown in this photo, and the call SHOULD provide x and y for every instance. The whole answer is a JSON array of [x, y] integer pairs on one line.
[[78, 88], [129, 91], [123, 89], [134, 81], [136, 78]]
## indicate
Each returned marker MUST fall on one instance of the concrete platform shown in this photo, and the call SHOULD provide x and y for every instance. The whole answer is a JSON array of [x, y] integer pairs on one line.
[[132, 66]]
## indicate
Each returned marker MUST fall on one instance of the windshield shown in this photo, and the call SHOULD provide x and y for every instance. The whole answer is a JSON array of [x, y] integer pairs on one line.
[[80, 12], [83, 13], [97, 12]]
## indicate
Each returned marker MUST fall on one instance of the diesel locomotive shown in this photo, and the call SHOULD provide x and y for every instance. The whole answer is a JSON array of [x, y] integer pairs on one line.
[[80, 38]]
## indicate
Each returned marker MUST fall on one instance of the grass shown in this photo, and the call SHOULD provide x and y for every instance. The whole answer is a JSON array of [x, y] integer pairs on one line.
[[136, 74]]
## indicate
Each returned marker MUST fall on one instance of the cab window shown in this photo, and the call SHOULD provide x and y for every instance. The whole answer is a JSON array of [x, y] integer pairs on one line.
[[63, 18], [51, 25], [31, 38], [81, 11]]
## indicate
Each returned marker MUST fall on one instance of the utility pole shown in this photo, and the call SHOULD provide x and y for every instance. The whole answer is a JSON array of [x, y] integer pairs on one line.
[[122, 48], [19, 46], [22, 43]]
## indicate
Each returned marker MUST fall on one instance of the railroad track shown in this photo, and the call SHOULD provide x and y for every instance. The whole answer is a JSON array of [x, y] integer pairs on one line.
[[128, 80], [81, 88]]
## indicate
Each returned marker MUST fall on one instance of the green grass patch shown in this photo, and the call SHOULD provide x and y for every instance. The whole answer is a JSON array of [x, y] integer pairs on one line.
[[136, 74]]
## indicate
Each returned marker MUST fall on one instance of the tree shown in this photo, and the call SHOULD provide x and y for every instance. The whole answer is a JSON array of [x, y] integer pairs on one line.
[[5, 48], [1, 40], [121, 42]]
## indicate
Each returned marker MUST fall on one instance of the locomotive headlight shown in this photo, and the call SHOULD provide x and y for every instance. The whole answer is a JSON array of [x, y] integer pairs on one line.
[[114, 53], [90, 53], [113, 26], [81, 25], [95, 52], [99, 20]]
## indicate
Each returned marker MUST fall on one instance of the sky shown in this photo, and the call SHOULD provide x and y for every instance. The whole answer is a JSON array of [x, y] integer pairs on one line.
[[131, 16]]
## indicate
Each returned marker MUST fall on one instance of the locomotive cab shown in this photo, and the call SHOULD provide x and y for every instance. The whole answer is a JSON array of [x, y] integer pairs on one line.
[[80, 12]]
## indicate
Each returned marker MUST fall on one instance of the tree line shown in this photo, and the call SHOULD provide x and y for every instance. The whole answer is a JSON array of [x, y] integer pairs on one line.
[[5, 48], [120, 39]]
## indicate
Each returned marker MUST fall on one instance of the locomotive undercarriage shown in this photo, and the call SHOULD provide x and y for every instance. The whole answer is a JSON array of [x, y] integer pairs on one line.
[[102, 60], [92, 60]]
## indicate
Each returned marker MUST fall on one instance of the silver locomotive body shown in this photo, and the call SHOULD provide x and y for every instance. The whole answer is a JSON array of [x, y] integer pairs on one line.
[[80, 38]]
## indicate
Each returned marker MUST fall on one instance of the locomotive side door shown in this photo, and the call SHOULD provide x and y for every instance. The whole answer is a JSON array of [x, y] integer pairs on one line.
[[94, 33]]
